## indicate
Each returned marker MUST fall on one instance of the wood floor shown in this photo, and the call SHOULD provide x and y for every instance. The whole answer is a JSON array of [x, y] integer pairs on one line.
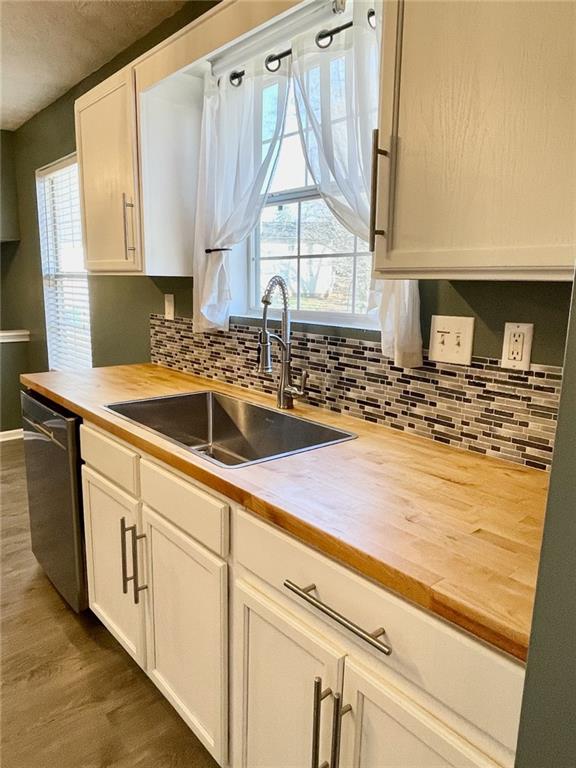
[[72, 698]]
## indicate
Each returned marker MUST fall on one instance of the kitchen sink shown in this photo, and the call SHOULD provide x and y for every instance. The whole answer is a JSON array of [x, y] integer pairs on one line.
[[227, 430]]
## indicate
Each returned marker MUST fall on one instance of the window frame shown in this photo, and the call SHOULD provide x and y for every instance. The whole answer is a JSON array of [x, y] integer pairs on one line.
[[47, 275]]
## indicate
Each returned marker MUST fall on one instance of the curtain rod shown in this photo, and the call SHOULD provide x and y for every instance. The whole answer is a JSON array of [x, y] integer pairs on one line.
[[324, 39]]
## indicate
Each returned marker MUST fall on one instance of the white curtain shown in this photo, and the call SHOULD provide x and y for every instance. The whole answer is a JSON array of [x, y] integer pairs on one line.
[[242, 127], [336, 93]]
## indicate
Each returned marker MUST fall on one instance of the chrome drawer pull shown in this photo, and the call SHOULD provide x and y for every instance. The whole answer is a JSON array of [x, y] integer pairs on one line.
[[339, 712], [137, 587], [376, 153], [370, 637], [125, 205], [319, 696], [125, 578], [124, 529]]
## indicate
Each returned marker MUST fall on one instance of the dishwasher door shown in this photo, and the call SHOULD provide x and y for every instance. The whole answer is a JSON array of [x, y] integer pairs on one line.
[[52, 469]]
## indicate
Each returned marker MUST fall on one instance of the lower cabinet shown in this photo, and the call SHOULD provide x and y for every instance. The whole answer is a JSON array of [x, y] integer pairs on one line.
[[187, 609], [277, 660], [288, 678], [306, 690], [164, 598], [384, 728], [111, 520]]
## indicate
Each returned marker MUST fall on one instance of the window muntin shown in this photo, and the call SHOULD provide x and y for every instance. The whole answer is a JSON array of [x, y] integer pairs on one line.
[[65, 281], [327, 268]]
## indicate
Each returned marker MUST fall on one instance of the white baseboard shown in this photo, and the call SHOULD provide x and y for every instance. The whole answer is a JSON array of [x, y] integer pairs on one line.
[[11, 434]]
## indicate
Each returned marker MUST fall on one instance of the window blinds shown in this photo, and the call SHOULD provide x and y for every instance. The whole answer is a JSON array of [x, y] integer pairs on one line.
[[66, 298]]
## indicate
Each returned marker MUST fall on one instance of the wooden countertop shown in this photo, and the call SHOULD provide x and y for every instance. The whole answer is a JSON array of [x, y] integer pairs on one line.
[[454, 532]]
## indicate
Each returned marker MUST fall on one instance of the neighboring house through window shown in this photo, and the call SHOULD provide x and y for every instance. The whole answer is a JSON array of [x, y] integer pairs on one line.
[[66, 297]]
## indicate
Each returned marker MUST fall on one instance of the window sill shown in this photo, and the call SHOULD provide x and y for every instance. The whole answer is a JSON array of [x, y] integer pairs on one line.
[[322, 326]]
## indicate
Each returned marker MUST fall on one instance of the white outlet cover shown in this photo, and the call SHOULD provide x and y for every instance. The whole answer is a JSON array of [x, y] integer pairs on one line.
[[451, 339], [517, 347]]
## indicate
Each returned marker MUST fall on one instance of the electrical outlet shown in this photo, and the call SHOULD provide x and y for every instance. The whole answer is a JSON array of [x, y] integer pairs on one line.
[[517, 347], [451, 339]]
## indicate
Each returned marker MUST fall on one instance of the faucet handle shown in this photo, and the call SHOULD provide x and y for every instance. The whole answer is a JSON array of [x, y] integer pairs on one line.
[[301, 390]]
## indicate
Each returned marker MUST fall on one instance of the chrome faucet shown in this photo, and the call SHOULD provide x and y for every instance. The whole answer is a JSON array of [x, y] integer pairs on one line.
[[286, 389]]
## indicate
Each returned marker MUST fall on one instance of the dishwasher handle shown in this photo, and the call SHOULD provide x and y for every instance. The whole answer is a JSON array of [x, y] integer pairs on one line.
[[42, 430]]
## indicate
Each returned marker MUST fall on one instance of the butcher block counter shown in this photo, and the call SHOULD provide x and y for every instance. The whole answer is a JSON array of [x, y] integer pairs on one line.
[[454, 532]]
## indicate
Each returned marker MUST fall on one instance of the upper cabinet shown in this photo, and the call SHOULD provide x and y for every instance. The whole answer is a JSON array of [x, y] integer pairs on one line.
[[476, 173], [478, 120], [106, 144]]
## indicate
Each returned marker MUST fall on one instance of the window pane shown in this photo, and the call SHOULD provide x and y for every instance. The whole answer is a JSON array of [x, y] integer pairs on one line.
[[326, 284], [279, 230], [320, 232], [286, 268], [291, 167], [291, 124], [66, 295], [363, 279], [269, 111]]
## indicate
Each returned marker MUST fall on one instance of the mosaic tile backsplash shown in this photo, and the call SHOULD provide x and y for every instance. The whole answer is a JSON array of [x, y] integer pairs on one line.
[[481, 407]]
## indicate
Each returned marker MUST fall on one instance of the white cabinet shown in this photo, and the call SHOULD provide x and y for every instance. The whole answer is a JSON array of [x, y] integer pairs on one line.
[[478, 112], [187, 629], [162, 594], [384, 728], [105, 138], [111, 520], [276, 661]]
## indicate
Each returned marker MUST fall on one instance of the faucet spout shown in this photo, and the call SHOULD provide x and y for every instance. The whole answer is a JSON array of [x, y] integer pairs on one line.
[[286, 390]]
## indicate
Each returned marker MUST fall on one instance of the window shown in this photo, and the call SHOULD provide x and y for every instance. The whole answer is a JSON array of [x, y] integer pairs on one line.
[[327, 269], [66, 298]]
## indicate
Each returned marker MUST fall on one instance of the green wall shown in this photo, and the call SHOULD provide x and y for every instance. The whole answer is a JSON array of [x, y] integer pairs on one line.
[[547, 305], [9, 204], [120, 306], [547, 736]]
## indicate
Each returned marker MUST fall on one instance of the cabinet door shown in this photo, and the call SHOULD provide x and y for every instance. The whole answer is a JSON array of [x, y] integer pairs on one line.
[[386, 729], [276, 660], [187, 629], [109, 561], [480, 121], [105, 137]]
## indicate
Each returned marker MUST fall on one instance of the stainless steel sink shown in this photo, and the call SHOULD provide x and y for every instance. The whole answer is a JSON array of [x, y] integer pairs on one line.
[[227, 430]]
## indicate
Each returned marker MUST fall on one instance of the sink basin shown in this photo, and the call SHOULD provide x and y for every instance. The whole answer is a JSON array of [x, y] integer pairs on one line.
[[226, 430]]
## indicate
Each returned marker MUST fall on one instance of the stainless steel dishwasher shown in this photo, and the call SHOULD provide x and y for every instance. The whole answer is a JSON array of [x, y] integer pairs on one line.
[[54, 496]]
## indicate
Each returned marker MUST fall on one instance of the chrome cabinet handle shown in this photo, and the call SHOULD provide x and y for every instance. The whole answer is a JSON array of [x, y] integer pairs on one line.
[[125, 205], [137, 588], [370, 637], [339, 712], [319, 696], [376, 153], [125, 578], [135, 583]]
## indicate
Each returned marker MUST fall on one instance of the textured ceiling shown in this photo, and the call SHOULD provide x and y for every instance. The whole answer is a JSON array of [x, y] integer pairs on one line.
[[50, 45]]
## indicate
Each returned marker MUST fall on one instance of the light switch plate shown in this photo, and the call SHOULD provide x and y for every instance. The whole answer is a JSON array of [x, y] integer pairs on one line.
[[451, 339], [169, 306], [517, 347]]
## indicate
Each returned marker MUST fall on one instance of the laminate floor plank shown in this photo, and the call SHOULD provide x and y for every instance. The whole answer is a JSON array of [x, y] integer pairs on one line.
[[71, 696]]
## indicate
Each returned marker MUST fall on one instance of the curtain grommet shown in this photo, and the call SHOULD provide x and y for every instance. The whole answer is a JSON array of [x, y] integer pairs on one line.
[[270, 60], [323, 36], [371, 16], [236, 78]]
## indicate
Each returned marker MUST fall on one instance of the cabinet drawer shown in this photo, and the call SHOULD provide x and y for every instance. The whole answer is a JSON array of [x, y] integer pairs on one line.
[[112, 459], [479, 684], [196, 512]]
